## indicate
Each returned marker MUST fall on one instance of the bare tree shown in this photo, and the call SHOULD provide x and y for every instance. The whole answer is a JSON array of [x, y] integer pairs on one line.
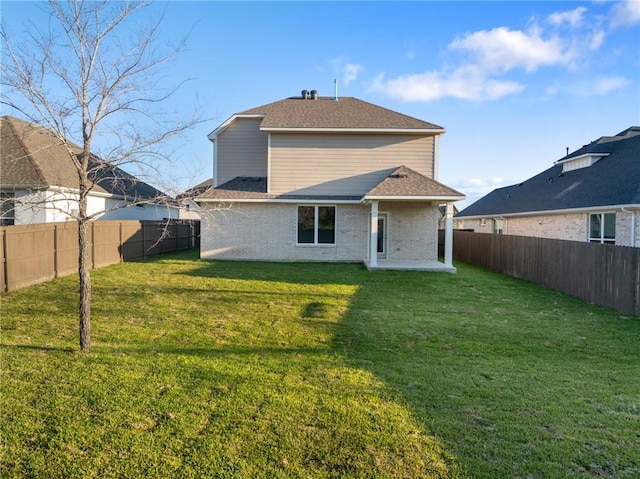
[[92, 77]]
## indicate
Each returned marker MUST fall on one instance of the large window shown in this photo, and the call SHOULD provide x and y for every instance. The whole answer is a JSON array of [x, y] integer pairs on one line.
[[602, 228], [7, 205], [316, 225]]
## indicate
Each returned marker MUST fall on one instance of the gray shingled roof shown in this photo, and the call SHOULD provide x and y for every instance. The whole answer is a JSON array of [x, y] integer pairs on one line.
[[255, 188], [402, 182], [32, 157], [407, 182], [612, 180], [325, 112]]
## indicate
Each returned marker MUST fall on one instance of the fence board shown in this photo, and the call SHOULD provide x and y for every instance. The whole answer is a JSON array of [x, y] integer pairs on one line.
[[66, 248], [32, 254], [604, 274]]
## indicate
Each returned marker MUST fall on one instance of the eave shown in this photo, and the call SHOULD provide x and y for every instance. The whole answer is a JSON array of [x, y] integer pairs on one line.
[[402, 131], [300, 200], [413, 198], [214, 134], [584, 209]]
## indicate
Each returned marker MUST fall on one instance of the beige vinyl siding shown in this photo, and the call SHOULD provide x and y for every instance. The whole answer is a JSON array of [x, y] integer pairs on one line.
[[241, 150], [343, 164]]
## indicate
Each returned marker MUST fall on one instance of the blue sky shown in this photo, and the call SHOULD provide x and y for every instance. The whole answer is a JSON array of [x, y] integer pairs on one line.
[[513, 83]]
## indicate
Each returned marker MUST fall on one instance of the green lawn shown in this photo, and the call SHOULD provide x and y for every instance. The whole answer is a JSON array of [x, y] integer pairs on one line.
[[263, 370]]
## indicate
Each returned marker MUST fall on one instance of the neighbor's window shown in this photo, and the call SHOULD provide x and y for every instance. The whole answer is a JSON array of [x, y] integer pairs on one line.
[[602, 228], [497, 227], [7, 207], [316, 225]]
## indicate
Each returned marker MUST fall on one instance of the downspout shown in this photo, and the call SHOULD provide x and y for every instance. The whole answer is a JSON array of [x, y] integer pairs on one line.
[[633, 225]]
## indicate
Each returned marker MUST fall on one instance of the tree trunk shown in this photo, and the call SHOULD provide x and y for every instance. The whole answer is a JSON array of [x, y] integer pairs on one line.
[[84, 266]]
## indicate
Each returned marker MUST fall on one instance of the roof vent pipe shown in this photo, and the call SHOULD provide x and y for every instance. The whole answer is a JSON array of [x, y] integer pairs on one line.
[[314, 94], [305, 94], [335, 93]]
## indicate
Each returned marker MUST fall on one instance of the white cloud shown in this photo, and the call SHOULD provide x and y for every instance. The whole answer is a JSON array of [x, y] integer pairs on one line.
[[465, 83], [572, 17], [347, 71], [350, 72], [476, 188], [625, 13], [411, 54], [502, 49], [481, 62], [604, 85]]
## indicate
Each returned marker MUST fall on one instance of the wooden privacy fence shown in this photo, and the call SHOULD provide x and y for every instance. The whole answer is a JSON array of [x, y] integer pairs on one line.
[[604, 274], [32, 254]]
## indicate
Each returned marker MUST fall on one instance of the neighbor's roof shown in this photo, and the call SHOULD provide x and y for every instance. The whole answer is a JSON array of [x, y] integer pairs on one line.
[[32, 157], [197, 190], [614, 180], [403, 183], [325, 113]]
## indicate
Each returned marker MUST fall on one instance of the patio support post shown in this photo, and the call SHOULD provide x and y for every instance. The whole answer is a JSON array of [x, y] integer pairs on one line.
[[448, 235], [373, 244]]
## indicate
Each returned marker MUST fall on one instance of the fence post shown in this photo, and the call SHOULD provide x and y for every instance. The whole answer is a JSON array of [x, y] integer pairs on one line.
[[5, 269], [93, 246], [121, 246], [55, 251]]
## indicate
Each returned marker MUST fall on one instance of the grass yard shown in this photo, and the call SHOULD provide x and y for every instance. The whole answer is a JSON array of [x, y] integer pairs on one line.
[[262, 370]]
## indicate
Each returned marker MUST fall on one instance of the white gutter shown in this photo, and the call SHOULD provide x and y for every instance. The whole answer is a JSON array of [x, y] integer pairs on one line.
[[278, 200], [354, 130], [633, 225], [585, 209], [413, 198]]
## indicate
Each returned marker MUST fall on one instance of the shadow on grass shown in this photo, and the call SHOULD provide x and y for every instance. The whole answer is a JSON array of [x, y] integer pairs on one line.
[[503, 371], [298, 273]]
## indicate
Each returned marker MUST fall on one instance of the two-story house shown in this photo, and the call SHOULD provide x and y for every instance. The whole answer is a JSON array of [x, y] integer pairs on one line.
[[591, 194], [312, 178]]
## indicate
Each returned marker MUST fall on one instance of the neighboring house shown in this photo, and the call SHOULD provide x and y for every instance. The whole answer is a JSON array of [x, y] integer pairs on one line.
[[190, 209], [39, 183], [592, 194], [442, 222], [325, 179]]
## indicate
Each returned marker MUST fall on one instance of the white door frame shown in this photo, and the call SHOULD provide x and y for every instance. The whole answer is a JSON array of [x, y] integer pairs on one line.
[[384, 230]]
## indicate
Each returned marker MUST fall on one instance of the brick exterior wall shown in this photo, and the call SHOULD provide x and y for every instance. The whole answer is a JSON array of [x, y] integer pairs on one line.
[[623, 228], [571, 227], [412, 231], [260, 231]]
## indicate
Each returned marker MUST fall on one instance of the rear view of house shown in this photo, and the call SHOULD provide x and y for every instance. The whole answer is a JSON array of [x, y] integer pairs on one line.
[[592, 194], [313, 178]]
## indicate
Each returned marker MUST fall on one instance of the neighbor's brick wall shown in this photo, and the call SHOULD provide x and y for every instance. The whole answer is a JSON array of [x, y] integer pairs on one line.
[[623, 228], [572, 227]]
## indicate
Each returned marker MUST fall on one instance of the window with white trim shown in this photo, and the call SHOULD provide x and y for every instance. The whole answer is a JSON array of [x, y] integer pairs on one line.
[[497, 227], [7, 207], [316, 225], [602, 228]]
